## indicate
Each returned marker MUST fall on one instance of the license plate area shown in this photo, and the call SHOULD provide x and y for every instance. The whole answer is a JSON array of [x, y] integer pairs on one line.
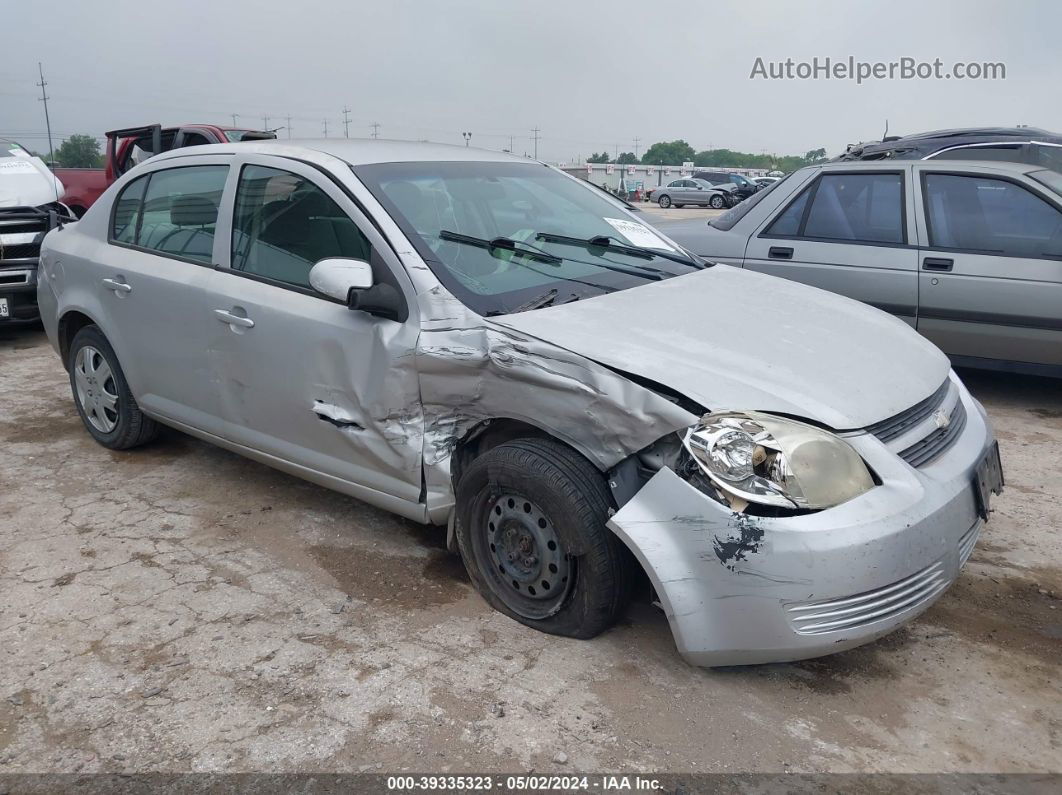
[[4, 311], [988, 480]]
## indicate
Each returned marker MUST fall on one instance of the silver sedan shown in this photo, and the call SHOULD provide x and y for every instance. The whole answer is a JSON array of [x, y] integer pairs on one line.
[[478, 341], [687, 190]]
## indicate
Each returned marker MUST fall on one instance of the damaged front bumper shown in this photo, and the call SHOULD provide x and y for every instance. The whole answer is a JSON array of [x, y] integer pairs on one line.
[[740, 589]]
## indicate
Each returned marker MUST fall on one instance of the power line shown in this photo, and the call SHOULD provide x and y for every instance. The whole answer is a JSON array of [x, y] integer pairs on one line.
[[346, 122], [47, 120]]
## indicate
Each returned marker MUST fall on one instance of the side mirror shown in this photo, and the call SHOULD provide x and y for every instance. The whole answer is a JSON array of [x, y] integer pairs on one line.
[[338, 278]]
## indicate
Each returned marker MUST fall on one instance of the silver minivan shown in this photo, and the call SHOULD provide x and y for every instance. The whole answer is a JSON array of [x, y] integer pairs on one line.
[[969, 253], [484, 342]]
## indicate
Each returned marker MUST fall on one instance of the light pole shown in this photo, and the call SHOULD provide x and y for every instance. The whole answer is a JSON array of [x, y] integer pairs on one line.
[[467, 136]]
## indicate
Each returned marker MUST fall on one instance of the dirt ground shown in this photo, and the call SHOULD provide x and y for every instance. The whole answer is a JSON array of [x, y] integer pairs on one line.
[[180, 608]]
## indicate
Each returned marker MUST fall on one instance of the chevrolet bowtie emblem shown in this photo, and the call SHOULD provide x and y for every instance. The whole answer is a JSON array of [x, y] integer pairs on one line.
[[941, 418]]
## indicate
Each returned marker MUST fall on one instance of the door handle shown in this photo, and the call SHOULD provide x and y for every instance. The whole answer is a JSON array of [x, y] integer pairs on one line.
[[233, 320], [937, 264], [116, 286], [780, 252]]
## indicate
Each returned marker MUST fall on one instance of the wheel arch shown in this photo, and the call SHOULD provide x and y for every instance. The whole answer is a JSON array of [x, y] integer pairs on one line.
[[70, 323]]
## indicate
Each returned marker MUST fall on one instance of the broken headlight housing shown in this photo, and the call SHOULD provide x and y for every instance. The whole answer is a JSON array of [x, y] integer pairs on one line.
[[760, 458]]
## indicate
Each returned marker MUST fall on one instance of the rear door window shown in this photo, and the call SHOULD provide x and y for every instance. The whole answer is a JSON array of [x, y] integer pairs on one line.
[[125, 216], [180, 211], [992, 216]]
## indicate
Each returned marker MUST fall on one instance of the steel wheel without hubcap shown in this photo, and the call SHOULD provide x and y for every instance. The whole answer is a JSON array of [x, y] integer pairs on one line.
[[532, 573], [96, 390]]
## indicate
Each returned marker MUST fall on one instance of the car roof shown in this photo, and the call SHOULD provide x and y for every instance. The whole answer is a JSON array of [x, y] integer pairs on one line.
[[356, 151]]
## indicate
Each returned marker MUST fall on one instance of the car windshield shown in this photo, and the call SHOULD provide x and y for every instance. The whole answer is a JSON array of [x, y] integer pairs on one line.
[[500, 235]]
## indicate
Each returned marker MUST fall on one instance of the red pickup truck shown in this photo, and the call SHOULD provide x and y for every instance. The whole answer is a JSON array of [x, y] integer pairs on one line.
[[126, 148]]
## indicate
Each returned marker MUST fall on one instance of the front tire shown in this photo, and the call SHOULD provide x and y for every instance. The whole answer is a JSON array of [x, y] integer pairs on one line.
[[102, 396], [717, 203], [664, 202], [531, 530]]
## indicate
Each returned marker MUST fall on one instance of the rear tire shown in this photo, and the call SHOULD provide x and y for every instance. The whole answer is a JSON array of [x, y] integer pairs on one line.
[[531, 530], [102, 396], [664, 202]]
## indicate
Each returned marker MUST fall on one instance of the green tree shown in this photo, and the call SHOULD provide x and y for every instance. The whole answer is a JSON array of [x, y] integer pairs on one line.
[[598, 158], [668, 153], [815, 156], [627, 157], [79, 151]]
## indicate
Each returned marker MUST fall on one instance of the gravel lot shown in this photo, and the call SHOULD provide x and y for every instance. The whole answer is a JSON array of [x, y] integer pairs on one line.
[[180, 608]]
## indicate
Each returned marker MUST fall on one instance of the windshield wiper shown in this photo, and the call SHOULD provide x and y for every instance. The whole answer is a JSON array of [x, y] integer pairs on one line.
[[547, 298], [614, 244], [504, 243], [535, 252]]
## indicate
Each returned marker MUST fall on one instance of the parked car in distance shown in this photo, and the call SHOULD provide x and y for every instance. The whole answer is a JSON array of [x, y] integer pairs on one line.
[[28, 210], [1029, 145], [126, 148], [969, 253], [687, 190], [743, 186], [764, 182], [470, 339]]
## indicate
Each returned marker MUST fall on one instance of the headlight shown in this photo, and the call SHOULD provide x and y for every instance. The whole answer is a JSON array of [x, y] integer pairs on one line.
[[773, 461]]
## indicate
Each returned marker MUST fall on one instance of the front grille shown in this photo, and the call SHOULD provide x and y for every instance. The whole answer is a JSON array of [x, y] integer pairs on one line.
[[21, 251], [895, 426], [967, 543], [853, 612], [922, 452], [14, 277]]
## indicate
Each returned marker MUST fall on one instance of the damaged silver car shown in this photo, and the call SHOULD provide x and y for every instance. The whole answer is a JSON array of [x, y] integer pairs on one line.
[[478, 340]]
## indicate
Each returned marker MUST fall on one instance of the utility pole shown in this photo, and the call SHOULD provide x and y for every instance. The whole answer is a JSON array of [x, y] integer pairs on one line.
[[536, 132], [636, 142], [467, 136], [346, 122], [47, 120], [325, 123], [265, 122], [510, 149], [289, 127], [375, 129], [234, 115]]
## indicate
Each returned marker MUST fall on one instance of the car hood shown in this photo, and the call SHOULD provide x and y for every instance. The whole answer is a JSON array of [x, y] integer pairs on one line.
[[26, 182], [733, 339]]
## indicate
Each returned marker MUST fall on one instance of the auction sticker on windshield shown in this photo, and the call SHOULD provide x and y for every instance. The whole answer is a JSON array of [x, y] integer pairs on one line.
[[638, 234]]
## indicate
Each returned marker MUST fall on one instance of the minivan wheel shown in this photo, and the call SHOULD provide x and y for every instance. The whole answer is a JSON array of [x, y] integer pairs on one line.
[[102, 396], [664, 201], [717, 203], [531, 530]]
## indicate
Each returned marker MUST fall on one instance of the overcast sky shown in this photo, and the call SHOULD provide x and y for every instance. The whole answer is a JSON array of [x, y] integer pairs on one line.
[[590, 74]]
